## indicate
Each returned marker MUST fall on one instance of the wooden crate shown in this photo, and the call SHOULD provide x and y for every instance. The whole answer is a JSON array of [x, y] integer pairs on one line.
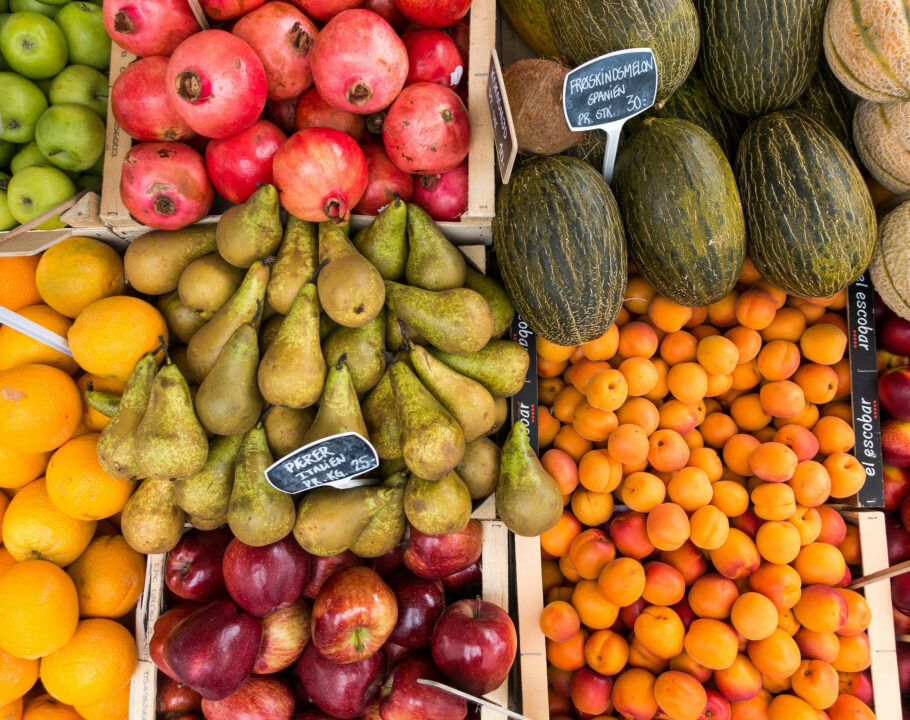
[[80, 215], [474, 226]]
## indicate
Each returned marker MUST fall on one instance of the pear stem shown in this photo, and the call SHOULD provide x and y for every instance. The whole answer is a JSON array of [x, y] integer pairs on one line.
[[318, 270], [163, 346], [265, 413], [389, 357], [258, 311], [404, 335], [341, 361]]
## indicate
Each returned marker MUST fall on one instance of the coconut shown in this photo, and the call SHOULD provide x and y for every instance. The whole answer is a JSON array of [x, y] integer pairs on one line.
[[534, 89]]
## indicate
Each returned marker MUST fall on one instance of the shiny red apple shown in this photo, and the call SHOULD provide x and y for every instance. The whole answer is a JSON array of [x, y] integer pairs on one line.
[[464, 583], [175, 697], [897, 485], [901, 622], [898, 541], [313, 715], [341, 690], [896, 442], [905, 512], [435, 556], [372, 711], [420, 603], [386, 564], [193, 568], [285, 633], [895, 335], [321, 568], [261, 697], [894, 391], [900, 592], [262, 579], [474, 645], [163, 626], [392, 653], [403, 698], [353, 615], [717, 707]]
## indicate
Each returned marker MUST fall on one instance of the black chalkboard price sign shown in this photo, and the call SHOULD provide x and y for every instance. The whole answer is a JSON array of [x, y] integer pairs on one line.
[[330, 460], [503, 126], [606, 91]]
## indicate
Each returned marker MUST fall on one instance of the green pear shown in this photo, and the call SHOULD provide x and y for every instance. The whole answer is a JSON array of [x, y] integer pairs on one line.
[[295, 264], [380, 413], [258, 514], [252, 230], [339, 410], [182, 321], [326, 325], [206, 524], [433, 262], [384, 241], [150, 521], [395, 332], [455, 321], [527, 498], [178, 357], [502, 414], [329, 520], [285, 428], [479, 468], [117, 442], [437, 507], [363, 349], [497, 298], [207, 283], [350, 287], [392, 466], [386, 528], [501, 366], [206, 494], [153, 261], [269, 331]]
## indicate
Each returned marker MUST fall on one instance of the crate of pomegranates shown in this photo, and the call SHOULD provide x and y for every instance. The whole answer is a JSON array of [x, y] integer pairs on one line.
[[342, 105]]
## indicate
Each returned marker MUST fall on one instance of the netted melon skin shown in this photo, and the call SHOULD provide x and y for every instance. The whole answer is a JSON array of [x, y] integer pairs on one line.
[[890, 268], [881, 133]]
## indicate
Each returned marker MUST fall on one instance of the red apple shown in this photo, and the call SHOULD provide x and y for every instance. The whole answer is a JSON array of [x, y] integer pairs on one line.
[[193, 569], [885, 360], [259, 698], [591, 691], [900, 592], [897, 485], [163, 626], [435, 556], [174, 697], [341, 690], [717, 707], [896, 442], [894, 391], [898, 541], [354, 614], [392, 561], [905, 512], [403, 698], [262, 579], [321, 568], [474, 645], [313, 715], [372, 711], [214, 649], [901, 622], [464, 583], [420, 603], [903, 666], [285, 633], [895, 335], [392, 653]]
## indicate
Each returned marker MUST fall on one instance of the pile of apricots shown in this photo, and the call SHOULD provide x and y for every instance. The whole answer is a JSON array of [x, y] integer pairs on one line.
[[696, 571]]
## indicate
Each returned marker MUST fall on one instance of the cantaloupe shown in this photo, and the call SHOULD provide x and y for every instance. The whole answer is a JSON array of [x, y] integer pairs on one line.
[[867, 43], [881, 133], [890, 267]]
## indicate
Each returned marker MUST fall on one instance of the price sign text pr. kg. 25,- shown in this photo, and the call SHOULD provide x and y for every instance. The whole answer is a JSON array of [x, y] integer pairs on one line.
[[331, 461], [606, 91]]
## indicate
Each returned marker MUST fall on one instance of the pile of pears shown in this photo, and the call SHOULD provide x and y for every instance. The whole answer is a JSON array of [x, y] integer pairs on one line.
[[287, 333]]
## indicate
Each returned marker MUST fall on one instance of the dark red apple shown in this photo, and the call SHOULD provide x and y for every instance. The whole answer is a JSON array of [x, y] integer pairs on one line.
[[341, 690], [905, 512], [894, 391], [214, 649], [392, 561], [353, 615], [717, 707], [163, 626], [193, 569], [897, 485], [896, 442], [372, 711], [903, 666], [901, 622], [174, 697], [895, 335], [900, 592], [474, 645], [261, 697], [392, 653], [420, 603], [285, 633], [321, 568], [898, 541], [403, 698], [464, 583], [261, 579], [435, 556], [313, 715]]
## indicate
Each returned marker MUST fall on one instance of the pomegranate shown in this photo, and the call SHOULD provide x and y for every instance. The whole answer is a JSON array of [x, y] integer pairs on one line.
[[427, 130], [433, 13], [239, 164], [281, 36], [326, 9], [140, 105], [313, 111], [321, 174], [444, 196], [387, 10], [433, 57], [384, 182], [149, 27], [165, 186], [359, 63], [281, 112], [216, 83], [229, 9]]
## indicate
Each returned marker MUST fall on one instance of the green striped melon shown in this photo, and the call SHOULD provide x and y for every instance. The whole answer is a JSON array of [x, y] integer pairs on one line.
[[592, 148], [890, 267], [759, 55], [829, 102], [881, 132], [684, 221], [529, 19], [586, 29], [867, 44], [809, 216], [561, 248]]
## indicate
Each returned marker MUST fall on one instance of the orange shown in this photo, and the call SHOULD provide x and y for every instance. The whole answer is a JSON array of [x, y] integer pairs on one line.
[[114, 707], [40, 408], [38, 609], [97, 662], [91, 418], [109, 577], [111, 334], [78, 271], [17, 675], [18, 349], [6, 560], [79, 487], [19, 468], [44, 707], [18, 289], [11, 711], [34, 529]]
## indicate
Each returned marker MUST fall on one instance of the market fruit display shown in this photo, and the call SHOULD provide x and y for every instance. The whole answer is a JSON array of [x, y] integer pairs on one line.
[[890, 260], [878, 129]]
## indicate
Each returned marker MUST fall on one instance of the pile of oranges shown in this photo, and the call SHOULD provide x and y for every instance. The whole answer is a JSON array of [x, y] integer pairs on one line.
[[720, 589], [68, 579]]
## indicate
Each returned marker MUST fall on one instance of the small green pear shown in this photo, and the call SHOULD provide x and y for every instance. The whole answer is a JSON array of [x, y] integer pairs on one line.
[[384, 242], [329, 520], [437, 507]]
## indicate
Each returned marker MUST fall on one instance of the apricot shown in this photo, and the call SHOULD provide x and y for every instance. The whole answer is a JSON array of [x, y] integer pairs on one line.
[[731, 498], [560, 592], [748, 343], [773, 501], [639, 293], [667, 315], [680, 696], [690, 488], [736, 453], [778, 541], [776, 656], [606, 652], [778, 360], [568, 440], [678, 416], [629, 533], [642, 491], [821, 608], [739, 682], [633, 694], [592, 423], [660, 390], [607, 390], [723, 312], [641, 657], [781, 584], [712, 596], [811, 483], [819, 382], [823, 343], [773, 462], [849, 707], [667, 450], [590, 691], [598, 471], [684, 663], [847, 474], [660, 630], [856, 684], [591, 508], [790, 707], [568, 570], [589, 551], [547, 427], [708, 460], [748, 412], [712, 643], [642, 412], [858, 613], [687, 560], [640, 374], [622, 581], [568, 655], [557, 539], [775, 687], [820, 563], [817, 645], [737, 557], [678, 347], [754, 616], [708, 527], [834, 435], [787, 622], [553, 352], [628, 444], [844, 379], [604, 347], [566, 402], [755, 309], [694, 440], [807, 522], [854, 654], [637, 339], [799, 439], [664, 584], [687, 382], [595, 611], [782, 399], [788, 324], [717, 428], [559, 621]]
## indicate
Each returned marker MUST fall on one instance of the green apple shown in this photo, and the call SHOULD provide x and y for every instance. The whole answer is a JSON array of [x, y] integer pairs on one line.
[[7, 151], [21, 104], [28, 156], [70, 136], [36, 190], [86, 181], [34, 6], [4, 16], [7, 221], [87, 40], [4, 6], [81, 85], [33, 45]]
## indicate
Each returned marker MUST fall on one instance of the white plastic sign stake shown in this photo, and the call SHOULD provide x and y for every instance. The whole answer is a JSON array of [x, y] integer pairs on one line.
[[606, 91], [472, 698], [34, 330]]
